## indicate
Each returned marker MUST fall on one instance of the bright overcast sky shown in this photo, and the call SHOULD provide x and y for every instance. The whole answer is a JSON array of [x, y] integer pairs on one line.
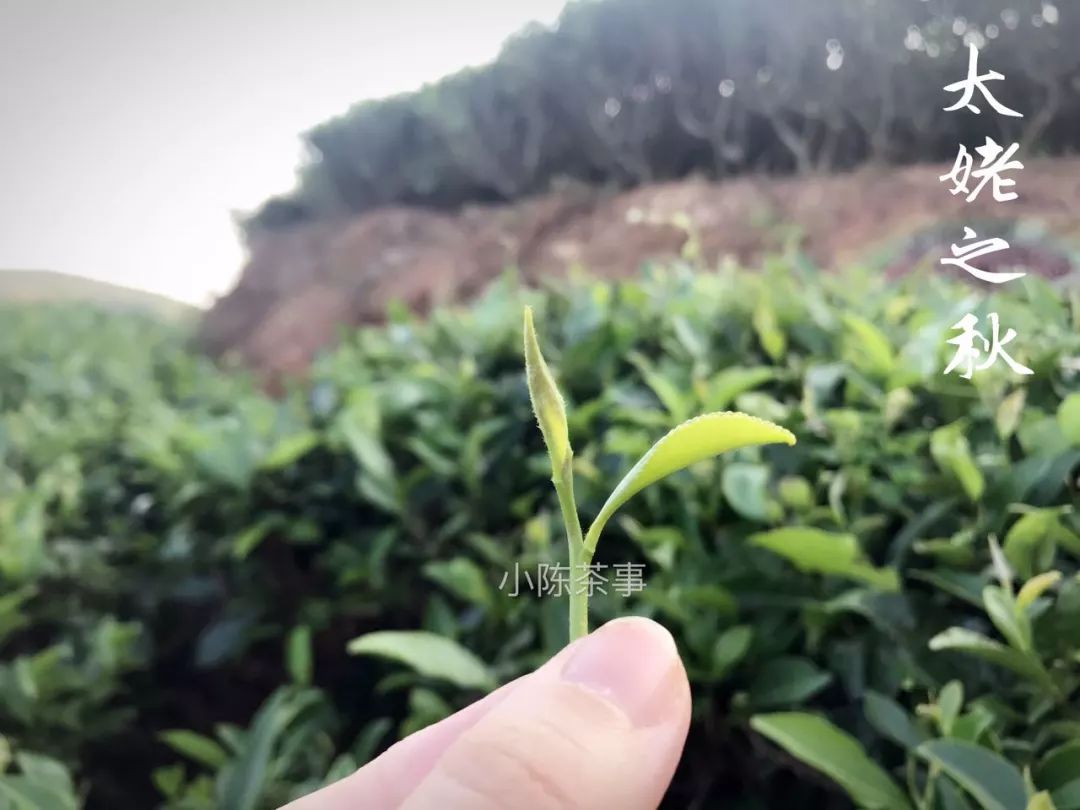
[[130, 129]]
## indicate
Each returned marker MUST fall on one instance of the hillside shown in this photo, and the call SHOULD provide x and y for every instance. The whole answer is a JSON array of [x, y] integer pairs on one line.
[[44, 286], [624, 93], [301, 285]]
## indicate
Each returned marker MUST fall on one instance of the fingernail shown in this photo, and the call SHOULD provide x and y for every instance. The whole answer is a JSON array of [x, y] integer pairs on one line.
[[630, 662]]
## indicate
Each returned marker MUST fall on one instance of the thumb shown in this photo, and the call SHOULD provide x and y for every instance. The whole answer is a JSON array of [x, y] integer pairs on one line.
[[603, 727]]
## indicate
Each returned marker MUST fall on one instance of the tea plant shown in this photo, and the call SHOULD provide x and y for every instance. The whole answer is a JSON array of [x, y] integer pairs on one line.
[[175, 546], [1008, 751], [692, 441], [34, 782]]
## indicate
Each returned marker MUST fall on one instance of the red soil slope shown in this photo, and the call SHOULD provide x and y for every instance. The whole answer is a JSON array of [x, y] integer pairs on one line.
[[300, 286]]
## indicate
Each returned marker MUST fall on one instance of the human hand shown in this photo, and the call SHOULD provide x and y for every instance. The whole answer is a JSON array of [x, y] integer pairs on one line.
[[601, 725]]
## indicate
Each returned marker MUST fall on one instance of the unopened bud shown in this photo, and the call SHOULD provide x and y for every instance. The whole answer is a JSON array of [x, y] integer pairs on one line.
[[547, 403]]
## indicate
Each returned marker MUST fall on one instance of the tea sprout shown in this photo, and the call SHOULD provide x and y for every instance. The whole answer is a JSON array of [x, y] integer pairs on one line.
[[694, 440]]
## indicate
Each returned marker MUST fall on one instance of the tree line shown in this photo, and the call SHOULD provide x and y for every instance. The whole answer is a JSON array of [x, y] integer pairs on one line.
[[622, 92]]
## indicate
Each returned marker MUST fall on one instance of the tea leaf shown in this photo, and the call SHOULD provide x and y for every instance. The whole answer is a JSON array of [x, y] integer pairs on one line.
[[673, 398], [730, 648], [994, 782], [1011, 623], [20, 793], [972, 643], [950, 701], [722, 389], [1036, 587], [820, 744], [462, 577], [891, 720], [1068, 417], [787, 680], [1007, 418], [429, 654], [1032, 540], [745, 487], [950, 449], [290, 449], [298, 658], [690, 442], [243, 782], [194, 746], [1059, 767], [1002, 567], [821, 552], [769, 333], [43, 783], [1067, 797], [869, 348]]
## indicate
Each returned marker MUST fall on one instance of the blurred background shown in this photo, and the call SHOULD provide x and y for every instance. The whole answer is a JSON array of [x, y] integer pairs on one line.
[[261, 279]]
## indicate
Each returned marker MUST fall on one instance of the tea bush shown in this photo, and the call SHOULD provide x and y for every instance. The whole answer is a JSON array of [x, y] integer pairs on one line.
[[185, 560]]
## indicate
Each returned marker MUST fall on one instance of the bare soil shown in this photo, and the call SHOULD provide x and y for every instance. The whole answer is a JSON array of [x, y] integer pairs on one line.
[[300, 286]]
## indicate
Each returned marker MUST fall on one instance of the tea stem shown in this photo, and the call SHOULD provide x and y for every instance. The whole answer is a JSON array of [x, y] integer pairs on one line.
[[579, 597]]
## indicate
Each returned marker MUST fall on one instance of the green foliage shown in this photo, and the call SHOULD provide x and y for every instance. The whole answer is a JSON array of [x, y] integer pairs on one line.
[[823, 745], [184, 561], [991, 779], [690, 442], [428, 654], [35, 783], [972, 748], [815, 551]]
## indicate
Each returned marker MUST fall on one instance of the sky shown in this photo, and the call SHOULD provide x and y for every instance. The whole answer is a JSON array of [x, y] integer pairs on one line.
[[131, 130]]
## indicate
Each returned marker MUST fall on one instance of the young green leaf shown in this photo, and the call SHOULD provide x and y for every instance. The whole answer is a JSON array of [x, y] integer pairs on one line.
[[203, 750], [1002, 567], [950, 449], [244, 781], [787, 680], [972, 643], [1012, 623], [952, 797], [673, 397], [950, 701], [692, 441], [870, 350], [1041, 801], [820, 744], [730, 648], [1036, 586], [772, 337], [298, 655], [19, 792], [720, 391], [429, 654], [746, 489], [547, 402], [1007, 418], [819, 552], [290, 449], [891, 720], [1067, 797], [1059, 767], [1068, 417], [994, 782], [1032, 540]]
